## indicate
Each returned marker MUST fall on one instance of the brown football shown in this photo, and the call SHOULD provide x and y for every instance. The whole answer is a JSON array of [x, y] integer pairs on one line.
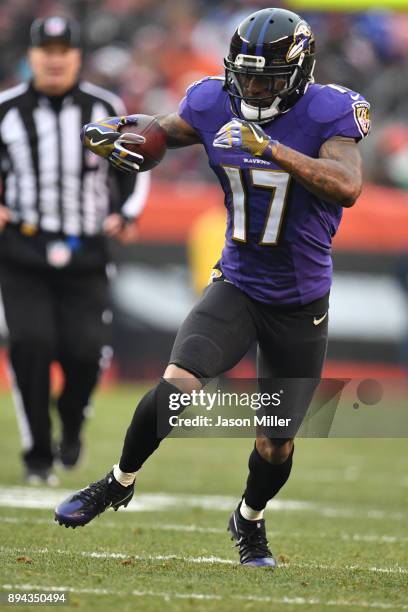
[[154, 148]]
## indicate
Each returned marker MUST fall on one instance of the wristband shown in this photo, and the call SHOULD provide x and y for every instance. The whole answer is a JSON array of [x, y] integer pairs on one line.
[[268, 151]]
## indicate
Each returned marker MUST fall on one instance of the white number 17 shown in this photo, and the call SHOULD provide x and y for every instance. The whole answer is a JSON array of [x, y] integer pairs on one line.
[[277, 182]]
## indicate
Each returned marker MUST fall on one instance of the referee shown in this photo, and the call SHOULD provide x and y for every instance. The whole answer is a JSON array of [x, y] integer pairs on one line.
[[58, 204]]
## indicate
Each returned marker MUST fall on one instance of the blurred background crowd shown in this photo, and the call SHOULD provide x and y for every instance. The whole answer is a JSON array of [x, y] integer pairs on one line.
[[148, 51]]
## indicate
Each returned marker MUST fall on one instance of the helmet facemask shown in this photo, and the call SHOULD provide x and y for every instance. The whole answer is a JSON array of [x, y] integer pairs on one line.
[[274, 48], [276, 83]]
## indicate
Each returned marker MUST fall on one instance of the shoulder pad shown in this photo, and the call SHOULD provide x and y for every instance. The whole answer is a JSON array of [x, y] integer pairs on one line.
[[333, 110], [203, 94], [331, 102]]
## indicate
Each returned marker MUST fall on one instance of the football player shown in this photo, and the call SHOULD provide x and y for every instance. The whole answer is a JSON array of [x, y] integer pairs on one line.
[[285, 152]]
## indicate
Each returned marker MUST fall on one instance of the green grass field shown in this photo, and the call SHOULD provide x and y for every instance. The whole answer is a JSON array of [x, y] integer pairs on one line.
[[339, 529]]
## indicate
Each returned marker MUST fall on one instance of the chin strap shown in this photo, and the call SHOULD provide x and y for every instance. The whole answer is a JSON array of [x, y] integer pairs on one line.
[[260, 115]]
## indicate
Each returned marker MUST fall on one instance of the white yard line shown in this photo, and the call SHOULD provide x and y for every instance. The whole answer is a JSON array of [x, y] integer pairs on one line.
[[169, 595], [116, 555], [34, 497], [110, 525], [385, 539], [119, 555], [347, 537], [349, 568], [46, 498]]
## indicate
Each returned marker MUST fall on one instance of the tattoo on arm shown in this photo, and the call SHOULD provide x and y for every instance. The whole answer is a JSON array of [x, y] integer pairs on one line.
[[336, 176], [179, 132], [344, 150]]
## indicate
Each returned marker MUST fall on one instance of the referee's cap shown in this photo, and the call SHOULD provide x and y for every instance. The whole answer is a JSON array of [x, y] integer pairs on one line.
[[54, 30]]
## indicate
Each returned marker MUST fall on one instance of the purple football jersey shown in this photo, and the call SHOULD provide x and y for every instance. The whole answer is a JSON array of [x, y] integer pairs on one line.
[[278, 237]]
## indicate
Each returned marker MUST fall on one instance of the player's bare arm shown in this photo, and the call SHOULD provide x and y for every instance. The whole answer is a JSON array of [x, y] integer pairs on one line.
[[336, 176], [179, 132]]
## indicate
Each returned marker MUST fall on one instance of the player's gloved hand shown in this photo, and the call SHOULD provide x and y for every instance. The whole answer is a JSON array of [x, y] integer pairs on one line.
[[104, 139], [247, 136]]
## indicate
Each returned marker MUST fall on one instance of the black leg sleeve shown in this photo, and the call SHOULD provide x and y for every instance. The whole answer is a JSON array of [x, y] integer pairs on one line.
[[150, 424], [265, 479]]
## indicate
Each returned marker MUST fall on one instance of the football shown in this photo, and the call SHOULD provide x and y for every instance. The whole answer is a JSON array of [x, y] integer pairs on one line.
[[154, 148]]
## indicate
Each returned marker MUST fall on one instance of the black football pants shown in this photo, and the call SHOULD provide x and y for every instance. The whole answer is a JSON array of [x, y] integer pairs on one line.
[[216, 334], [52, 315], [291, 345], [225, 322]]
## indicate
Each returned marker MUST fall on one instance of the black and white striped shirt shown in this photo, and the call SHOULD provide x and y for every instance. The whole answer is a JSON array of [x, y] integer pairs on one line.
[[49, 180]]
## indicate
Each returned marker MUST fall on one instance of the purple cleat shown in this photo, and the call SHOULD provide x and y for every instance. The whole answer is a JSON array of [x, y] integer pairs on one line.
[[84, 505], [251, 540]]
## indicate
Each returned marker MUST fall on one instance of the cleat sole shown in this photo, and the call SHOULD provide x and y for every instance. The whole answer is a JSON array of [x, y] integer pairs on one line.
[[123, 503], [65, 524]]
